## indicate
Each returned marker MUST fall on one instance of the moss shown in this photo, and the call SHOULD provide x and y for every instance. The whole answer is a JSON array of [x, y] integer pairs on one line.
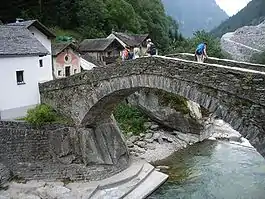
[[67, 181], [18, 179], [130, 119], [174, 101]]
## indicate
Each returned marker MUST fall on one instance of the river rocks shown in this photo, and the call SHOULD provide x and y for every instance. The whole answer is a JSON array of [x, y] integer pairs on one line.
[[158, 144], [168, 139], [156, 136], [148, 136], [133, 139], [141, 144], [147, 125], [154, 127]]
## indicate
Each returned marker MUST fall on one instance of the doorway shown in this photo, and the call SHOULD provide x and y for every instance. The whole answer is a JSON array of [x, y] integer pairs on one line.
[[67, 71]]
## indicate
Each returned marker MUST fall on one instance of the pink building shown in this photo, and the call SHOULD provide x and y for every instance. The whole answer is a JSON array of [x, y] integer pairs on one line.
[[66, 60]]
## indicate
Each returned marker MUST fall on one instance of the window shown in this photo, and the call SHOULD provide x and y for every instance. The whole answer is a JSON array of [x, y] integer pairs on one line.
[[20, 77], [66, 58], [41, 63], [32, 33], [75, 71], [59, 73]]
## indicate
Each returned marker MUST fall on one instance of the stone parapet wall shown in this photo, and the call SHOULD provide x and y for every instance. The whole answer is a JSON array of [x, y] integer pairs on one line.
[[224, 62]]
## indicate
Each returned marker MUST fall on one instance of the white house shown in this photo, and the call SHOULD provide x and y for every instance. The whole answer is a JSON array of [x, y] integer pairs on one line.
[[43, 35], [20, 52]]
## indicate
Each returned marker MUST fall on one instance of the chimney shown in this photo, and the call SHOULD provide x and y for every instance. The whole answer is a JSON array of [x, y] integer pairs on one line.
[[18, 20]]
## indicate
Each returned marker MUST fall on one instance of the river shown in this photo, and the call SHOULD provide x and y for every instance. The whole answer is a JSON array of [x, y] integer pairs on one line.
[[214, 170]]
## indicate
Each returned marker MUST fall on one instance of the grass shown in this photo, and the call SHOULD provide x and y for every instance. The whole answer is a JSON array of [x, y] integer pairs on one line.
[[130, 119]]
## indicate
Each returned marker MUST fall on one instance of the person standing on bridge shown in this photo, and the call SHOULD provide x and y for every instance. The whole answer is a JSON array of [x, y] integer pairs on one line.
[[151, 49], [200, 52]]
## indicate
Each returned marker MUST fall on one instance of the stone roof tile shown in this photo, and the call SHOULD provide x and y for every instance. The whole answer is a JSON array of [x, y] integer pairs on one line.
[[16, 40]]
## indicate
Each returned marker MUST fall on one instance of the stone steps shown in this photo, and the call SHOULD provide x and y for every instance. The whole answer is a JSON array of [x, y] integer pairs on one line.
[[148, 186], [135, 184]]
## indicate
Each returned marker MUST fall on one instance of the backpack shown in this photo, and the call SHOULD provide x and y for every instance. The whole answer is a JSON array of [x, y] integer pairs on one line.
[[199, 49], [152, 49]]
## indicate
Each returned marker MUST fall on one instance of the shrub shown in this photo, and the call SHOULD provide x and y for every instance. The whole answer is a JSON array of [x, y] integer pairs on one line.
[[43, 114], [130, 119]]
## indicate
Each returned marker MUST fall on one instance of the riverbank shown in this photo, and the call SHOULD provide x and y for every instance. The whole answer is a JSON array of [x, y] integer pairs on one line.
[[158, 144]]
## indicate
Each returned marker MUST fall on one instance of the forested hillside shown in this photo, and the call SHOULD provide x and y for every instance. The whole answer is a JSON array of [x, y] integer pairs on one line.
[[96, 18], [252, 14], [193, 15]]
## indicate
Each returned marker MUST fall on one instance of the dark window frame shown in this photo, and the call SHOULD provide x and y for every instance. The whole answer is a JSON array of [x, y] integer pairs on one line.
[[20, 77], [41, 63]]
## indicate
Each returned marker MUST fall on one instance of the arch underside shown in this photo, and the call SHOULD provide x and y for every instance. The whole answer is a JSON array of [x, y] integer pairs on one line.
[[88, 105]]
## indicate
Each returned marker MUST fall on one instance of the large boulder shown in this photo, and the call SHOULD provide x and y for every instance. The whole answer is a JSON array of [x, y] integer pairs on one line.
[[170, 111], [244, 42]]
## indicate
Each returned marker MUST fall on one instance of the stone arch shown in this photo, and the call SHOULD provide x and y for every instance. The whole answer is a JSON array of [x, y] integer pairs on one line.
[[86, 101], [111, 92]]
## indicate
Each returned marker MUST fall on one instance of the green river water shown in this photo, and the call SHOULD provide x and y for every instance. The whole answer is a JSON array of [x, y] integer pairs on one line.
[[214, 170]]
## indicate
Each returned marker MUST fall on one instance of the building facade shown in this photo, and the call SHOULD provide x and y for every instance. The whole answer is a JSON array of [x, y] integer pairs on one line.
[[20, 52], [44, 36], [103, 50], [136, 42], [66, 60]]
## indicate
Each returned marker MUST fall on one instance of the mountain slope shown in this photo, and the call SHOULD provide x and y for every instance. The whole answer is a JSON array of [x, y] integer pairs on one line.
[[252, 14], [193, 15]]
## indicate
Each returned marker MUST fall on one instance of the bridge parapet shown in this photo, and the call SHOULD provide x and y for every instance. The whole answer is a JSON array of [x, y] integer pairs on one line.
[[249, 85], [225, 62]]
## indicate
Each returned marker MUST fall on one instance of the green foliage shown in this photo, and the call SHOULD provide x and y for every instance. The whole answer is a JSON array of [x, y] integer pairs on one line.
[[43, 114], [59, 32], [97, 18], [130, 119], [189, 45], [252, 14], [258, 58], [174, 101]]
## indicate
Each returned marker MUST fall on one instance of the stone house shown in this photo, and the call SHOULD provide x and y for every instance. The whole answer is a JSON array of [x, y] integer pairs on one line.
[[44, 36], [103, 49], [136, 42], [66, 60], [20, 73]]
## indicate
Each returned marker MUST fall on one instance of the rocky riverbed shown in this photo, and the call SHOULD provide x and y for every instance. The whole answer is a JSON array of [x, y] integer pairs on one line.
[[158, 143]]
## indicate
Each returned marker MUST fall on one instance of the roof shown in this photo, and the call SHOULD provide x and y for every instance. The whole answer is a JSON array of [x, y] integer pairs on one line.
[[37, 25], [131, 40], [19, 41], [95, 45], [59, 47], [92, 60]]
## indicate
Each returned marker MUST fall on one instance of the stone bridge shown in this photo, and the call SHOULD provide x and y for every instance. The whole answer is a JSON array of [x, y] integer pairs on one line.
[[234, 94]]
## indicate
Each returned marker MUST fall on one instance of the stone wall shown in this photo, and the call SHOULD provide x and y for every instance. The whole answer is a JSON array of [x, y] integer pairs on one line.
[[224, 62], [61, 152]]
